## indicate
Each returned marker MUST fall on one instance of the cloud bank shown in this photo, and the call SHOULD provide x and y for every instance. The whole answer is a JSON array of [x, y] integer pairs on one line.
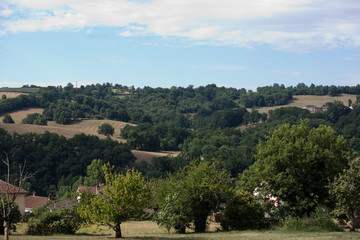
[[296, 25]]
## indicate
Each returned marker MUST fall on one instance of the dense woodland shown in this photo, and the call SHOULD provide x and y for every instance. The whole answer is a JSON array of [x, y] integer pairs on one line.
[[200, 122]]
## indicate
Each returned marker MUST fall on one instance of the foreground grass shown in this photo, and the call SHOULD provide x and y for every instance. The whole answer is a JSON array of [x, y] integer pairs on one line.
[[149, 230]]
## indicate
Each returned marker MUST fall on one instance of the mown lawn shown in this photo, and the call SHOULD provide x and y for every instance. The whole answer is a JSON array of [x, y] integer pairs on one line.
[[149, 230]]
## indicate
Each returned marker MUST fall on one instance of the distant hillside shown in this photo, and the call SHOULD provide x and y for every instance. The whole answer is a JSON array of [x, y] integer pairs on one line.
[[303, 100], [85, 126]]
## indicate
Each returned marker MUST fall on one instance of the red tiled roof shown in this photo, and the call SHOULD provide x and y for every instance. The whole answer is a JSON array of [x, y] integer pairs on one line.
[[35, 201], [12, 189], [68, 203], [93, 189]]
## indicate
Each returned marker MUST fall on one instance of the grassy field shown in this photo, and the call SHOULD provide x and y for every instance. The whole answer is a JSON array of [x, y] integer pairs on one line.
[[149, 230], [11, 94], [85, 126], [303, 100]]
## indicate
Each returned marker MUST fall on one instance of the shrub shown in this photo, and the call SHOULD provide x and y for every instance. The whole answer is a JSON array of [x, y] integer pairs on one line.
[[106, 129], [65, 221], [295, 224], [35, 118], [242, 212], [320, 220], [8, 119], [15, 217], [324, 221]]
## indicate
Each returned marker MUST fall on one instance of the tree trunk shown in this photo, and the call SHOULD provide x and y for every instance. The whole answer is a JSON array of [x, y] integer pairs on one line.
[[6, 226], [200, 223], [352, 223], [118, 232]]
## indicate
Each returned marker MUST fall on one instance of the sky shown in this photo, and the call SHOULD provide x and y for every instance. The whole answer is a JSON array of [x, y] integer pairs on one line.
[[165, 43]]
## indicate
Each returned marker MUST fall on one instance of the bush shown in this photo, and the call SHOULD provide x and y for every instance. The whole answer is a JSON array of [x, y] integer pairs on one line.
[[324, 221], [35, 118], [65, 221], [15, 217], [320, 220], [106, 129], [242, 212], [8, 119]]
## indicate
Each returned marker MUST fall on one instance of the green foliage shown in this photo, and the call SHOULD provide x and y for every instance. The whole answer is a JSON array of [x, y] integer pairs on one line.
[[8, 119], [324, 221], [94, 173], [17, 103], [191, 194], [15, 216], [302, 162], [60, 161], [346, 191], [243, 212], [174, 214], [3, 96], [65, 221], [320, 220], [124, 197], [35, 118], [106, 129]]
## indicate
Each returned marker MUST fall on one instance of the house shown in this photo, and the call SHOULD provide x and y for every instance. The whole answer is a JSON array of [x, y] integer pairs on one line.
[[93, 189], [34, 201], [68, 203], [6, 187], [312, 108]]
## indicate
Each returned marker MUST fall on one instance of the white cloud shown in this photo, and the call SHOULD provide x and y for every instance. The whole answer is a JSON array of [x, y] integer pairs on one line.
[[296, 25]]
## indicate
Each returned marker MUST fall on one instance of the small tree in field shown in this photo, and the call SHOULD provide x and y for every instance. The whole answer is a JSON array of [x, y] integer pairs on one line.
[[124, 197], [8, 119], [346, 190], [106, 129]]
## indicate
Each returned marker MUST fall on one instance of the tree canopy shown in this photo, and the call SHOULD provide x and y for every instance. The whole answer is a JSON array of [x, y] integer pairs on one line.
[[124, 196], [346, 191], [296, 164]]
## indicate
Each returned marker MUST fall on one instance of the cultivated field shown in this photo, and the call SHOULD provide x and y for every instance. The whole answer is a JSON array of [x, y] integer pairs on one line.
[[11, 94], [88, 127], [150, 230], [318, 101]]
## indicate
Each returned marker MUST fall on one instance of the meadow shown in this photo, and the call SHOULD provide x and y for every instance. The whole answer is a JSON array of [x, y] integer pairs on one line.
[[303, 100], [150, 230]]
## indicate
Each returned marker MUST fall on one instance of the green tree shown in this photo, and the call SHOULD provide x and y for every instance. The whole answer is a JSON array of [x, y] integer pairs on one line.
[[346, 191], [124, 197], [3, 96], [296, 164], [35, 118], [191, 194], [106, 129], [8, 119], [95, 174], [243, 212]]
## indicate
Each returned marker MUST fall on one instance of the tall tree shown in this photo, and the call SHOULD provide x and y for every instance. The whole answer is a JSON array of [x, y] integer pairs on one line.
[[124, 197], [296, 164], [191, 195], [346, 191]]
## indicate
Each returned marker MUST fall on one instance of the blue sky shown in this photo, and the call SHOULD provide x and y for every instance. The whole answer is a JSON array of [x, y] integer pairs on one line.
[[164, 43]]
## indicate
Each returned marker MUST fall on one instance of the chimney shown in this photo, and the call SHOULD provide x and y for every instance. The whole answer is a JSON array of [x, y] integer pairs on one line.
[[34, 194]]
